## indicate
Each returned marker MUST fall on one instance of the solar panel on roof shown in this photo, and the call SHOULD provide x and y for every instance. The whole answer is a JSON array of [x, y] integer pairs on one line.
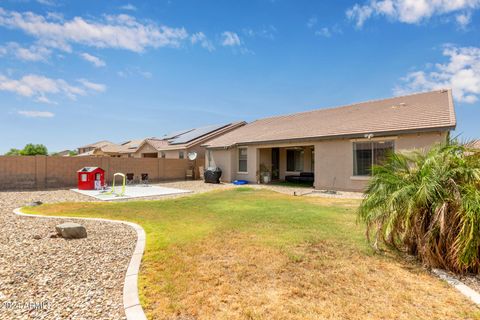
[[195, 133], [175, 134]]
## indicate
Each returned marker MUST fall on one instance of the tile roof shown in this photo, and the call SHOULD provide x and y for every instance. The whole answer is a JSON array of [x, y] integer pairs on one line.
[[415, 112], [98, 144], [476, 144], [189, 138]]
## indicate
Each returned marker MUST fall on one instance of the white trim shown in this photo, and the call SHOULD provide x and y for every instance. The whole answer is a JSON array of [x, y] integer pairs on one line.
[[361, 178], [239, 172], [460, 286], [131, 302], [375, 139]]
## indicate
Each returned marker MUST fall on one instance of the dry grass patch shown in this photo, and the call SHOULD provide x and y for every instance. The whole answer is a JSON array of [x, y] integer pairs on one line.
[[234, 276]]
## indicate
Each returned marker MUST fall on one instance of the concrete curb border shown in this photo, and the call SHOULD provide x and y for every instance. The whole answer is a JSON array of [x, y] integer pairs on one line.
[[457, 284], [131, 302]]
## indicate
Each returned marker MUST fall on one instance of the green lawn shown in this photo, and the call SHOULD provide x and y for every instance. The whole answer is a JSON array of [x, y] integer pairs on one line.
[[257, 254]]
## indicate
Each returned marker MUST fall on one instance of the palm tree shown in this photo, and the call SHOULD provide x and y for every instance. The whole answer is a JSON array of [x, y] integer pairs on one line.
[[428, 204]]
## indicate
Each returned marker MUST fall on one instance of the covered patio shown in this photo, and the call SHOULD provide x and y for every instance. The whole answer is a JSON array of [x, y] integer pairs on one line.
[[295, 164]]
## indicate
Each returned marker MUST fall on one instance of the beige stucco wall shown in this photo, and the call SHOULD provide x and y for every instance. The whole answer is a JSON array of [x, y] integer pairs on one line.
[[146, 148], [334, 159], [223, 160]]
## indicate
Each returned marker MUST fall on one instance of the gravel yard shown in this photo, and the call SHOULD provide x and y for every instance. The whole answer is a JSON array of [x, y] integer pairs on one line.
[[54, 278]]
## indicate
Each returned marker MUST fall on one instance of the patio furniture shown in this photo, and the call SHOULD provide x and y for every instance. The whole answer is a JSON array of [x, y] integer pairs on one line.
[[130, 178], [303, 177], [212, 175], [201, 172], [189, 174], [144, 178]]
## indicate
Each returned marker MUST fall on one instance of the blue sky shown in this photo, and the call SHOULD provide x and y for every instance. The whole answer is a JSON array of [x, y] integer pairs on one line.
[[76, 72]]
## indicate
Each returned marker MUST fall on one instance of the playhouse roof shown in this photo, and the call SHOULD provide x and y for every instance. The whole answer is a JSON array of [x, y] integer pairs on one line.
[[89, 169]]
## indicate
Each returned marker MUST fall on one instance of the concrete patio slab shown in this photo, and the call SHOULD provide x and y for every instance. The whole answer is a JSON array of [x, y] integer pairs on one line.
[[132, 192]]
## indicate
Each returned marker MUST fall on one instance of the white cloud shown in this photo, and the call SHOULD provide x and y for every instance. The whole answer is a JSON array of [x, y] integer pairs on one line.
[[129, 7], [312, 22], [119, 31], [39, 87], [36, 114], [134, 72], [97, 62], [461, 73], [201, 38], [267, 32], [32, 53], [92, 85], [463, 19], [47, 2], [230, 39], [409, 11], [324, 32]]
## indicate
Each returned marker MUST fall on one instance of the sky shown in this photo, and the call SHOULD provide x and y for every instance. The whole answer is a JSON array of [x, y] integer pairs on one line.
[[76, 72]]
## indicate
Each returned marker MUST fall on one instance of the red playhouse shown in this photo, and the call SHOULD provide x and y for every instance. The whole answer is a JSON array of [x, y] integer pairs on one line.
[[91, 178]]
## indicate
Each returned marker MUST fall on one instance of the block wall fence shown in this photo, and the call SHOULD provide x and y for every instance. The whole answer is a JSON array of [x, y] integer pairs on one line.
[[44, 172]]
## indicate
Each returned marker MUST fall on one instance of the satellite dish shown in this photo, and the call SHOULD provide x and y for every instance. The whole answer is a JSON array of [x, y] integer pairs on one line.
[[192, 155]]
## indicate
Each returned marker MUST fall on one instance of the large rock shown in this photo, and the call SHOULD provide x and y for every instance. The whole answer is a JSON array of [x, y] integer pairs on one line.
[[71, 230]]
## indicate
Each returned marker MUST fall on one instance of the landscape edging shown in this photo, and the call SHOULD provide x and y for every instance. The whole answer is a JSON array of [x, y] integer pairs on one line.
[[459, 285], [131, 302]]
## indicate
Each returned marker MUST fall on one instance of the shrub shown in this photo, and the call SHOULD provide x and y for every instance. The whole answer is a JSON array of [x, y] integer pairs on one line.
[[428, 204]]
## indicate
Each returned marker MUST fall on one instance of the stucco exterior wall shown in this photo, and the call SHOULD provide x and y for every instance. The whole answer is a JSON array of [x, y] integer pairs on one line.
[[334, 159], [223, 160], [146, 148]]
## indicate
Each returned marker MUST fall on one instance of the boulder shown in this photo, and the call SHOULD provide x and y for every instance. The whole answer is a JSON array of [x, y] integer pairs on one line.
[[71, 230], [34, 204]]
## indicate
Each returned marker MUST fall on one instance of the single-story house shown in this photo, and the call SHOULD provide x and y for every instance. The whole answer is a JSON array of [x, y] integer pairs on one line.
[[177, 145], [336, 147], [122, 150], [93, 146]]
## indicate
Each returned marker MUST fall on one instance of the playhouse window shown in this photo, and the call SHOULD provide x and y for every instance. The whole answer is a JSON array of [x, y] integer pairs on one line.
[[84, 177]]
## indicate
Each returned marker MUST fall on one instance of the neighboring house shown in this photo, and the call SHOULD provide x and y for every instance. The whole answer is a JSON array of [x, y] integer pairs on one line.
[[339, 145], [125, 149], [63, 153], [93, 146], [476, 144], [178, 144]]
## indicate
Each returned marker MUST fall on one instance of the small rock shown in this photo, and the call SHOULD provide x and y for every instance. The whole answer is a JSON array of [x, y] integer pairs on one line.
[[53, 235], [35, 203], [71, 230], [37, 237]]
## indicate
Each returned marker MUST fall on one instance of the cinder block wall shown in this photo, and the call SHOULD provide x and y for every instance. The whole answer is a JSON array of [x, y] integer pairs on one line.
[[43, 172]]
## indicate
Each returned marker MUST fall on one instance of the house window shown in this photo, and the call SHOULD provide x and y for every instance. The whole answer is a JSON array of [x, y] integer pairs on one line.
[[242, 159], [367, 154], [181, 155], [295, 160]]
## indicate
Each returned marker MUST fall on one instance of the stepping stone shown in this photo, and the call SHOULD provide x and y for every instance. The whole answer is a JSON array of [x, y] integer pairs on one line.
[[71, 230]]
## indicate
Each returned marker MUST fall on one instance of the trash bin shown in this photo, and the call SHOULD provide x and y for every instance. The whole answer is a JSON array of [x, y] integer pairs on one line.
[[212, 175]]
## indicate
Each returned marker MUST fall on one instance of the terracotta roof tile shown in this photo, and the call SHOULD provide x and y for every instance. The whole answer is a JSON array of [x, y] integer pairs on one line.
[[414, 112]]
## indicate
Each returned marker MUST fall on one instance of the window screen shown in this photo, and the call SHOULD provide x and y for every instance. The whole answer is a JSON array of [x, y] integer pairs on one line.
[[242, 159]]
